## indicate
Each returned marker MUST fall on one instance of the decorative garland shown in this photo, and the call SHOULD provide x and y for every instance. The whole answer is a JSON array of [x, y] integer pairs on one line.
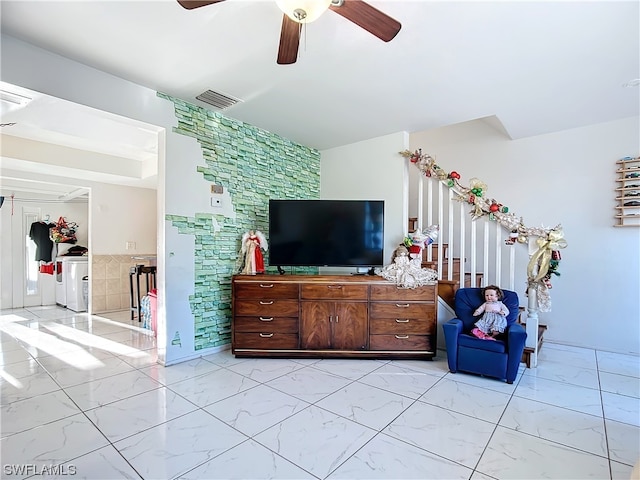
[[542, 264]]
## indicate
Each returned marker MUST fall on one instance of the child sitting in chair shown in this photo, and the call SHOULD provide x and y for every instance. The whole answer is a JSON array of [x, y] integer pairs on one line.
[[494, 314]]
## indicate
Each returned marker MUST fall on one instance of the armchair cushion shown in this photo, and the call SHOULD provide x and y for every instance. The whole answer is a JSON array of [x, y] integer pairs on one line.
[[498, 358], [468, 340]]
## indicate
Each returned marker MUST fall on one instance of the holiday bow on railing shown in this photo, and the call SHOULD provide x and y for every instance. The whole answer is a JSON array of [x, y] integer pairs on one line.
[[550, 240], [540, 262]]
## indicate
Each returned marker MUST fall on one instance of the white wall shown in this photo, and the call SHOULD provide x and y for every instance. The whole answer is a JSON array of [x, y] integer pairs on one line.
[[370, 170], [568, 178], [122, 214]]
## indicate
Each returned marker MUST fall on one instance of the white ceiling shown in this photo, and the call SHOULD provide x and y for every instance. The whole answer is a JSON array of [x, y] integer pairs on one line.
[[538, 67], [49, 138]]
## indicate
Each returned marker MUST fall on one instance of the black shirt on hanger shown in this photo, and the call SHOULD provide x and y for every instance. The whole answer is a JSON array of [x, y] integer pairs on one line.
[[39, 233]]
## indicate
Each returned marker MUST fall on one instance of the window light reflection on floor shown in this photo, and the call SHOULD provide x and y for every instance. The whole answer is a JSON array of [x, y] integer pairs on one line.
[[69, 353], [11, 318], [91, 340], [7, 377], [107, 321]]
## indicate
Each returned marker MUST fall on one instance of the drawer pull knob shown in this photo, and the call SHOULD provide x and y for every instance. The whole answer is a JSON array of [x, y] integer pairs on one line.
[[266, 319], [402, 337], [266, 303], [266, 335], [402, 305], [266, 286], [402, 320], [334, 286]]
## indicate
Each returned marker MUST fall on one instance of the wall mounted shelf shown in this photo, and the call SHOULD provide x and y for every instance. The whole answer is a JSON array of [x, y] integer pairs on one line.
[[628, 192]]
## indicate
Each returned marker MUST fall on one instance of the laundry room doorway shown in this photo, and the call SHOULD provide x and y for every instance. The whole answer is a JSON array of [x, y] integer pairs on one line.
[[28, 255]]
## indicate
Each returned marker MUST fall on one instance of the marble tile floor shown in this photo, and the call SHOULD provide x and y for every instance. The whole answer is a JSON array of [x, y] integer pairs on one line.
[[82, 396]]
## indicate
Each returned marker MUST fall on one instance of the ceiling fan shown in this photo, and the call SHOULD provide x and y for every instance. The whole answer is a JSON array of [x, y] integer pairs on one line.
[[298, 12]]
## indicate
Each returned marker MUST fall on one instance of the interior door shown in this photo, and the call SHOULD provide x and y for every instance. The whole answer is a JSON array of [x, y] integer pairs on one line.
[[28, 285]]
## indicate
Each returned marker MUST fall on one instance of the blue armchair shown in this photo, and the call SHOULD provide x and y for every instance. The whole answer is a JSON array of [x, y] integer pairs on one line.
[[466, 353]]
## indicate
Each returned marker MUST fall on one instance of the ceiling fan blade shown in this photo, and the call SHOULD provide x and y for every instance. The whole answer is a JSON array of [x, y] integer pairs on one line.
[[289, 41], [370, 18], [191, 4]]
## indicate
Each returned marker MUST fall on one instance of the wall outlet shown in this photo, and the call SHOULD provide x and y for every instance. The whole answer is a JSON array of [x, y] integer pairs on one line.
[[130, 245], [219, 189]]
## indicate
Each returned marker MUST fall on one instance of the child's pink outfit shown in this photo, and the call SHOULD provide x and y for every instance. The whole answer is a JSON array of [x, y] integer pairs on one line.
[[476, 332], [494, 319]]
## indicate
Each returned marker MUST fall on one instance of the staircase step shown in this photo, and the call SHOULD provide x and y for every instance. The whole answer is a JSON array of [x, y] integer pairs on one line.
[[456, 272], [434, 252], [445, 266], [467, 279], [526, 355], [447, 291]]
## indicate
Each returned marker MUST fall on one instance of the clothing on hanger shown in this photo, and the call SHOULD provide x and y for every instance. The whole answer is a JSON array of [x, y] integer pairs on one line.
[[39, 233]]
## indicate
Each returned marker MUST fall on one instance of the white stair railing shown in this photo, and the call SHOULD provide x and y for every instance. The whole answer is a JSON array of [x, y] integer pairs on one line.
[[502, 233], [479, 244]]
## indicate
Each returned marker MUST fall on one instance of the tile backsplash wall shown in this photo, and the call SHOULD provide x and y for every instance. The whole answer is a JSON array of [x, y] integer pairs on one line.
[[253, 165], [110, 281]]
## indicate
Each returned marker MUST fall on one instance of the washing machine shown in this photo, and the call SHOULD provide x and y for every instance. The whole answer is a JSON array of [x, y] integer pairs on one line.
[[70, 271]]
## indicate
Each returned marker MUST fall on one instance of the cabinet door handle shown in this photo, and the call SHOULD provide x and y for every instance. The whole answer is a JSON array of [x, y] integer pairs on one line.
[[266, 286], [336, 318], [334, 286], [402, 305], [330, 318], [402, 320], [265, 319], [266, 303], [402, 337], [266, 335]]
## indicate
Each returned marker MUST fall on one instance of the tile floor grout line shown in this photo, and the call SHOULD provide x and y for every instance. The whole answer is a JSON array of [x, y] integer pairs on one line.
[[225, 363]]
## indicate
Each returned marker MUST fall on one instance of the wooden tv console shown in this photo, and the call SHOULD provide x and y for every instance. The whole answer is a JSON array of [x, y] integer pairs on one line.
[[332, 316]]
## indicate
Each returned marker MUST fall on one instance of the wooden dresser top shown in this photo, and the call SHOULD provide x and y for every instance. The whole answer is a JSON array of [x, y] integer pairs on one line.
[[317, 279]]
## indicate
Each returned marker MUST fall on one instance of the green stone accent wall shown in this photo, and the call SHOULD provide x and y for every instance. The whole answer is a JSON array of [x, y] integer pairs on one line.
[[253, 165]]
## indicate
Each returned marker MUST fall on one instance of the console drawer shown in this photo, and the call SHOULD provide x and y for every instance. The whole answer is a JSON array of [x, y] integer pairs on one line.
[[265, 290], [416, 326], [426, 293], [266, 340], [261, 323], [401, 342], [267, 307], [335, 291], [402, 310]]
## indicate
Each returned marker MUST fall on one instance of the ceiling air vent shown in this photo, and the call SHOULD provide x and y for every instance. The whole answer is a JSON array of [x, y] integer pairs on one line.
[[217, 99]]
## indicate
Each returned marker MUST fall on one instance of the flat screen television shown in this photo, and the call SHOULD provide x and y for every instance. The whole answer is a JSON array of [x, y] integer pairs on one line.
[[326, 233]]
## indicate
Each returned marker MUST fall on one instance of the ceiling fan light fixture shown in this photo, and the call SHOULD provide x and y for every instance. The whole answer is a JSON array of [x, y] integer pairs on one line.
[[303, 11]]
